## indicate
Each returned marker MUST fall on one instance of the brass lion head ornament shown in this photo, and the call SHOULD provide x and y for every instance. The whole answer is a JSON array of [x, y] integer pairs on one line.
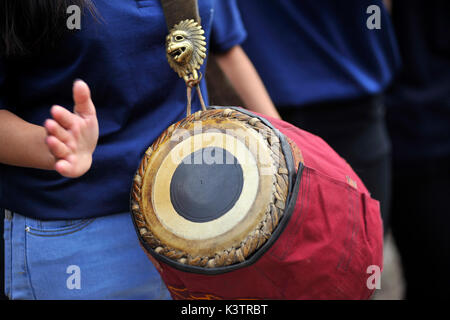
[[186, 49]]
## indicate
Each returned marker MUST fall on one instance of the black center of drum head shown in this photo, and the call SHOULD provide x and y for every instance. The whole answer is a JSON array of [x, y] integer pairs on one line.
[[206, 184]]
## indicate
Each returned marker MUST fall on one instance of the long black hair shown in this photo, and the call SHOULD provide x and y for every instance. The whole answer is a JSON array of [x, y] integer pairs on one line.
[[29, 26]]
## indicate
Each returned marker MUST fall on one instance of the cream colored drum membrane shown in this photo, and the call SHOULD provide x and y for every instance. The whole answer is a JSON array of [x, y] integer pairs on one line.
[[184, 228], [225, 232]]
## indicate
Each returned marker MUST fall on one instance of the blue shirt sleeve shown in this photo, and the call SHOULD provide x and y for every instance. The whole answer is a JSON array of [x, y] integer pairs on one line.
[[228, 29]]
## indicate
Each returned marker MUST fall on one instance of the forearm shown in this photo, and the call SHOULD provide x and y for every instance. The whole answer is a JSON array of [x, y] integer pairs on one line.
[[23, 144], [245, 80]]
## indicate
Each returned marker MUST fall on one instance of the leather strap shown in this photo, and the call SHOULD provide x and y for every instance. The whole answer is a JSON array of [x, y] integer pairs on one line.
[[178, 10]]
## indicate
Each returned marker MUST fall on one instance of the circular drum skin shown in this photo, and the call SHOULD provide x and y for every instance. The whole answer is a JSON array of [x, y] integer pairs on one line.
[[232, 205]]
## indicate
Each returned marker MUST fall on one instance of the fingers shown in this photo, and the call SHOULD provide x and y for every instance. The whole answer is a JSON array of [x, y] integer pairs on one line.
[[57, 139], [71, 168], [54, 129], [57, 148], [84, 106], [64, 117], [72, 136], [64, 168]]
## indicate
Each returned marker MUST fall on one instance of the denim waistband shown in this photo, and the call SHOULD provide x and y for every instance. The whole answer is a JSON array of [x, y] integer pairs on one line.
[[43, 224]]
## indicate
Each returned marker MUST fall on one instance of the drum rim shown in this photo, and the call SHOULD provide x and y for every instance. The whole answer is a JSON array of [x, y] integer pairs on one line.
[[293, 186]]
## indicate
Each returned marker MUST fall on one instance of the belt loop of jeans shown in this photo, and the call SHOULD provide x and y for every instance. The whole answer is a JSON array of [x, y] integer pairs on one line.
[[8, 214]]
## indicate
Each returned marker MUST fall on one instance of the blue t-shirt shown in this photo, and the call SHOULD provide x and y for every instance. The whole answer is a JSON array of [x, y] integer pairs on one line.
[[309, 51], [121, 56]]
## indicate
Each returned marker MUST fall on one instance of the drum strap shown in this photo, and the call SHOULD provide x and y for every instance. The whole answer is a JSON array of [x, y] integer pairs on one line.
[[178, 10], [184, 25]]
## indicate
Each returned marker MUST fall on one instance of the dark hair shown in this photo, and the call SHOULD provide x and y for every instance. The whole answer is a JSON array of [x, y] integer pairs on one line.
[[29, 26]]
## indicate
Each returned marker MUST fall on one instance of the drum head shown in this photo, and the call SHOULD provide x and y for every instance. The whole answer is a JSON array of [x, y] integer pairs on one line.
[[211, 189]]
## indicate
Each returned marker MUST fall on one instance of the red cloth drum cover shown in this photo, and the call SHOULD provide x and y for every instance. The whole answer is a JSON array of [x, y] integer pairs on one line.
[[325, 251]]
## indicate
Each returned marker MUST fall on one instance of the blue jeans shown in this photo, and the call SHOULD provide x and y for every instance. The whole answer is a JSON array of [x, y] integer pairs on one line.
[[97, 258]]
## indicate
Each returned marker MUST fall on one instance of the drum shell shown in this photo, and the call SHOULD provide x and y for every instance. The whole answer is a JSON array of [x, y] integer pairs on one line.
[[331, 239]]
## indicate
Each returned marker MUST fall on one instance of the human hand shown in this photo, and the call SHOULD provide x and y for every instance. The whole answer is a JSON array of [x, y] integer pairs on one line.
[[72, 137]]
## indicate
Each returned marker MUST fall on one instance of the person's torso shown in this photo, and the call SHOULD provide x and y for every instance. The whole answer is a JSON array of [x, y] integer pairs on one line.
[[121, 56], [313, 51], [419, 101]]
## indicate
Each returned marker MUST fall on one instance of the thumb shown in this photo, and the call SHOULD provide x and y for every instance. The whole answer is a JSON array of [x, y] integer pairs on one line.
[[84, 106]]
